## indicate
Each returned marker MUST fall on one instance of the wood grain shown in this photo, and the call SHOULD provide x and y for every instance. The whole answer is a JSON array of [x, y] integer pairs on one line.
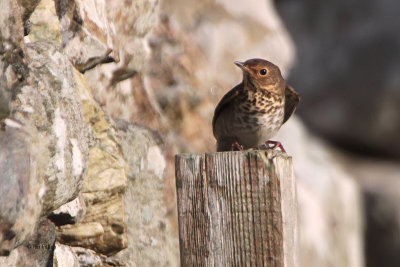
[[236, 209]]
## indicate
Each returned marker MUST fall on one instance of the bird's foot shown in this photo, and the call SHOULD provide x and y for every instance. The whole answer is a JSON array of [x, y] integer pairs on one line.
[[274, 144], [236, 146]]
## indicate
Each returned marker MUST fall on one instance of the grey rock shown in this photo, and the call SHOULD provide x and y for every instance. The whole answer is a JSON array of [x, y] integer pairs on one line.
[[13, 71], [347, 70], [382, 225], [11, 28], [380, 181], [44, 24], [22, 164], [87, 258], [38, 251], [132, 21], [50, 103], [67, 256], [28, 6], [329, 201], [103, 228], [39, 100], [87, 37], [69, 213], [64, 256], [40, 248], [152, 238]]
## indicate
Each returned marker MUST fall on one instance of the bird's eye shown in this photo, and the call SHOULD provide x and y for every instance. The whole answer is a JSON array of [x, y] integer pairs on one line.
[[263, 71]]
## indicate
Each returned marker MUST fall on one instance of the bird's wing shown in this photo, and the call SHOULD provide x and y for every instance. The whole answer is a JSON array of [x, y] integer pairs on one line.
[[224, 102], [292, 99]]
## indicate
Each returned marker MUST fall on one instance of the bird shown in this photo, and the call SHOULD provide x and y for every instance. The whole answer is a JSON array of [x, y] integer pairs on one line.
[[254, 110]]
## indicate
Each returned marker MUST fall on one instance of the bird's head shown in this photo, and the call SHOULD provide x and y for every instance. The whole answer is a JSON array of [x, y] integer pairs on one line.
[[261, 74]]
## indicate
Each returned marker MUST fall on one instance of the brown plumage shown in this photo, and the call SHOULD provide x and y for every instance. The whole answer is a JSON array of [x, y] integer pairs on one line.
[[254, 110]]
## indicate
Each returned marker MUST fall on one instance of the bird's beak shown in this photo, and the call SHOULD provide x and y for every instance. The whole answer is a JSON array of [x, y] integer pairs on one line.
[[241, 65]]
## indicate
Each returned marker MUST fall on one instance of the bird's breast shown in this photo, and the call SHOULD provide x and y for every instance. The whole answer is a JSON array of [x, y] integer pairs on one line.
[[255, 125], [252, 119]]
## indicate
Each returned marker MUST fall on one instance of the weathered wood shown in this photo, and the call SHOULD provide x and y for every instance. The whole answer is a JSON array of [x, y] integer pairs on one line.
[[237, 209]]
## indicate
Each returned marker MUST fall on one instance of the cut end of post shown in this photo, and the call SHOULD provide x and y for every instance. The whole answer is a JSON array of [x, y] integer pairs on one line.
[[268, 154]]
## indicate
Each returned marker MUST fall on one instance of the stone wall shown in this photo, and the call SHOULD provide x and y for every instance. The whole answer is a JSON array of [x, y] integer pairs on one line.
[[67, 170]]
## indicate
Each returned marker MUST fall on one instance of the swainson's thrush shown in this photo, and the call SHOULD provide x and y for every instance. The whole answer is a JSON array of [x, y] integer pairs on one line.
[[253, 111]]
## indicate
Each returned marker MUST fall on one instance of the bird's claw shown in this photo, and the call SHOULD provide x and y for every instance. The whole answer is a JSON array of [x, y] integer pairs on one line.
[[272, 145], [275, 144], [236, 146]]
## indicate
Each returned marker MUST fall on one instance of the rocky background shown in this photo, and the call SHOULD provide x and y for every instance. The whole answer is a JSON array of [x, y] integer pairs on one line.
[[97, 96], [348, 65]]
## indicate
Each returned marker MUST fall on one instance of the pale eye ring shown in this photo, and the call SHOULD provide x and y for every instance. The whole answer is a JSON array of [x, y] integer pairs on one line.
[[263, 71]]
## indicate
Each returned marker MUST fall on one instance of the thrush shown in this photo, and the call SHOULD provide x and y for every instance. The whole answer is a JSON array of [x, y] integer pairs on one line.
[[253, 111]]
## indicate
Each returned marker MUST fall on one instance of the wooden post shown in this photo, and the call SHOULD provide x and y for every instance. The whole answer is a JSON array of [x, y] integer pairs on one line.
[[237, 209]]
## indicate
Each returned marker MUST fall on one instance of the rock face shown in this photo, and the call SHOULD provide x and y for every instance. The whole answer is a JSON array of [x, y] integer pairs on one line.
[[54, 108], [87, 37], [348, 60], [64, 256], [22, 186], [37, 251], [103, 228], [39, 91], [330, 202], [347, 71], [69, 213], [152, 237], [13, 71], [380, 182]]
